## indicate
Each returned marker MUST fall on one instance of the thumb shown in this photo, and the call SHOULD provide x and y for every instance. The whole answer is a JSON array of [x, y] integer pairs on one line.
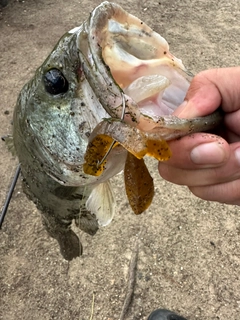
[[208, 90]]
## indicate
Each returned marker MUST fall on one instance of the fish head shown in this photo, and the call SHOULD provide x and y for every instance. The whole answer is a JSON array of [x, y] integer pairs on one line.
[[55, 114]]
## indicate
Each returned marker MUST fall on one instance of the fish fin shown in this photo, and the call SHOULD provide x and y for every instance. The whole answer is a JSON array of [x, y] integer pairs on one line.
[[70, 245], [101, 202], [138, 184], [87, 222], [8, 139]]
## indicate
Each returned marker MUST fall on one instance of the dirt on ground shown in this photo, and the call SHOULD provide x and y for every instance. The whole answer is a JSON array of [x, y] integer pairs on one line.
[[188, 249]]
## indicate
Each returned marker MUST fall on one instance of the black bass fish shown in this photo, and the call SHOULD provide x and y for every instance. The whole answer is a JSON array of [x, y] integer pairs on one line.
[[112, 66]]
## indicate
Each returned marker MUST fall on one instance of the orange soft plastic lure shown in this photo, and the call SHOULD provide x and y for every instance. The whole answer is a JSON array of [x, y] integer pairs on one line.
[[138, 181], [135, 141]]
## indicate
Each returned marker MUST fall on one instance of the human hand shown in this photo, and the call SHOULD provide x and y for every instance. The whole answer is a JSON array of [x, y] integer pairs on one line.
[[209, 164]]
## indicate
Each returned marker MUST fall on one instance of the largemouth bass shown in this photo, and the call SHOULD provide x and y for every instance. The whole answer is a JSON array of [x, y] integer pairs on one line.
[[113, 66]]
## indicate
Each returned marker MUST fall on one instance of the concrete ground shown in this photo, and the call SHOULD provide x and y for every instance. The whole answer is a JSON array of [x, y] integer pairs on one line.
[[189, 251]]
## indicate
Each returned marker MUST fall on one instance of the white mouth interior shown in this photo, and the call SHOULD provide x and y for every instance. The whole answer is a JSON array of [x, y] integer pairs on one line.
[[142, 65]]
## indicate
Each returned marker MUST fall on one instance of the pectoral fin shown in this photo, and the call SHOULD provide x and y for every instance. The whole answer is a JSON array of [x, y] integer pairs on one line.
[[101, 202]]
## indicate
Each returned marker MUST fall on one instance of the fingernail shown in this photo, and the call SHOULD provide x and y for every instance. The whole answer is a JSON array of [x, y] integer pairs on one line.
[[180, 109], [186, 110], [237, 155], [208, 154]]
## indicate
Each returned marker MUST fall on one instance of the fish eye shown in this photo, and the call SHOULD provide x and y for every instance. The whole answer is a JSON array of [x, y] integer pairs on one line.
[[55, 82]]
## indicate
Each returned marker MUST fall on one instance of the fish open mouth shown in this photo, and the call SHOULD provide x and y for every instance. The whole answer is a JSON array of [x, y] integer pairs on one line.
[[139, 60], [137, 80], [124, 59]]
